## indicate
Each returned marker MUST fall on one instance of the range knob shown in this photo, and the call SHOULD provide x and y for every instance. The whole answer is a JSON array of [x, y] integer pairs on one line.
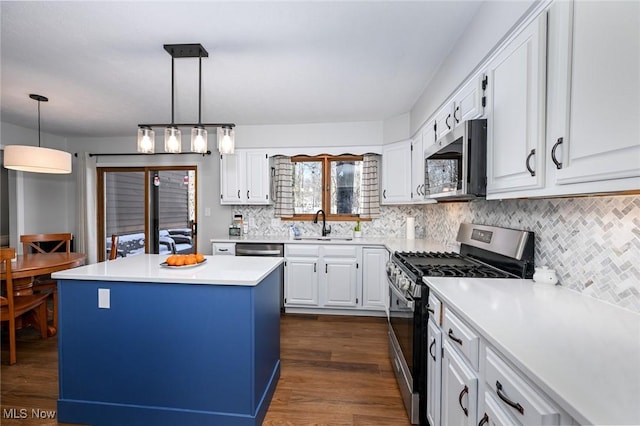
[[405, 283]]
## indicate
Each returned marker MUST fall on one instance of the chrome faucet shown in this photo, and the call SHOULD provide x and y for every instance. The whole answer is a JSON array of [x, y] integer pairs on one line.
[[325, 230]]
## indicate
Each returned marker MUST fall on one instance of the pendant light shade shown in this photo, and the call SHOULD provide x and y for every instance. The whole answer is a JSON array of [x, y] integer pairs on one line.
[[26, 158], [199, 140], [226, 140], [36, 159], [172, 139], [146, 140]]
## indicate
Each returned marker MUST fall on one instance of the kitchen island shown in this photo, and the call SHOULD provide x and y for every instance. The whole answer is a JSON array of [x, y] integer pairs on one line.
[[140, 343]]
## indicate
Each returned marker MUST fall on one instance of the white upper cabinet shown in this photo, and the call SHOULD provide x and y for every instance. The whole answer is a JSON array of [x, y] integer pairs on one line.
[[467, 102], [444, 119], [515, 112], [417, 168], [594, 133], [244, 177], [396, 173]]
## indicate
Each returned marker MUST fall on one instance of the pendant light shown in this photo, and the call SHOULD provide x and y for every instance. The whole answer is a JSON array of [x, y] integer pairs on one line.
[[172, 132], [36, 159]]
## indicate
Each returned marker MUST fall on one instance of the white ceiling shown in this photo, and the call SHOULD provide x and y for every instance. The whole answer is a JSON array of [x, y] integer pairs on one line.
[[103, 67]]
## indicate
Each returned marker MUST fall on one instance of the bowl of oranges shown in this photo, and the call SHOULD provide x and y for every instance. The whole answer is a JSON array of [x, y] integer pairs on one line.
[[184, 260]]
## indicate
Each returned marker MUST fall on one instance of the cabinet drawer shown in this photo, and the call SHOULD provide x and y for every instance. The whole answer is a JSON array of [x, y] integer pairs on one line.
[[228, 249], [516, 395], [435, 308], [305, 250], [340, 251], [461, 337]]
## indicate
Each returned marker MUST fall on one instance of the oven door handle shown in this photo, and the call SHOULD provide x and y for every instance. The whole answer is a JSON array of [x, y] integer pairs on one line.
[[409, 302]]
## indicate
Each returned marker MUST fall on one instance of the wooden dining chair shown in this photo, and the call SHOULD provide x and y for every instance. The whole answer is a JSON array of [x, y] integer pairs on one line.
[[12, 307], [47, 243], [114, 247]]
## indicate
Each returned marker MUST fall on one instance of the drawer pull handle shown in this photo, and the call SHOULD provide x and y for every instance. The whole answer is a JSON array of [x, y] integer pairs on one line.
[[507, 400], [553, 154], [484, 420], [433, 343], [454, 338], [465, 390]]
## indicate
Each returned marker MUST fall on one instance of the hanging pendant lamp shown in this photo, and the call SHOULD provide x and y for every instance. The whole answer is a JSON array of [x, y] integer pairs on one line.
[[172, 132], [36, 159]]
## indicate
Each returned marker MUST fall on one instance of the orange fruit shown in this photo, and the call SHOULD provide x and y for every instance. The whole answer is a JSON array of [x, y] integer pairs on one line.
[[179, 261], [189, 260], [171, 260], [199, 257]]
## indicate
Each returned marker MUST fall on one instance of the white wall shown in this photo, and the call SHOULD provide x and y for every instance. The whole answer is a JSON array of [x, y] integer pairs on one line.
[[492, 22], [396, 128], [315, 134], [38, 203]]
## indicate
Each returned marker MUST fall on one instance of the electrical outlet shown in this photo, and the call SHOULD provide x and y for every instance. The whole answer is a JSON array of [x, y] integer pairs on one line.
[[104, 298]]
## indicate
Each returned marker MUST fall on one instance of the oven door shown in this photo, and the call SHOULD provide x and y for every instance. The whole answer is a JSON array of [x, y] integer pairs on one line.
[[402, 346]]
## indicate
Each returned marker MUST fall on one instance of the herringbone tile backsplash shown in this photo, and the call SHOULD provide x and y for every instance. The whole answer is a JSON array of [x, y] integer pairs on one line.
[[592, 242]]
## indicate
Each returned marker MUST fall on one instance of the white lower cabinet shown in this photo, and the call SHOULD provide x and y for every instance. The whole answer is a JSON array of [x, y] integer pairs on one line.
[[459, 389], [516, 395], [335, 277], [434, 372], [301, 275], [475, 384], [339, 283], [375, 290]]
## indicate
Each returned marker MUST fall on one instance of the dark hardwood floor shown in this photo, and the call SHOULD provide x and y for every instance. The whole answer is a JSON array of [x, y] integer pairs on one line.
[[335, 371]]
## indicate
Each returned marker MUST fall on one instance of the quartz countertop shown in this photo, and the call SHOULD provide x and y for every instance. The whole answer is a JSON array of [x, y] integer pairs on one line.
[[392, 244], [582, 352], [220, 270]]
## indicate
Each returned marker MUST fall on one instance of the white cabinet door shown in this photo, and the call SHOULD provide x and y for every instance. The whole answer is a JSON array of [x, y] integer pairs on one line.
[[444, 120], [396, 173], [301, 281], [244, 177], [468, 101], [417, 168], [434, 372], [231, 178], [375, 290], [339, 282], [257, 177], [459, 390], [601, 139], [516, 105], [494, 414]]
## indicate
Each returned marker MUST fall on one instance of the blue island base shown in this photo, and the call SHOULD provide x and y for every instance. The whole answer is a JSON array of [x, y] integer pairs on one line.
[[168, 353], [101, 414]]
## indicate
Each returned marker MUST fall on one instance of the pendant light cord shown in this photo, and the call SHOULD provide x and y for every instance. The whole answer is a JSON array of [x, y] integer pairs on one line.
[[200, 88], [172, 89]]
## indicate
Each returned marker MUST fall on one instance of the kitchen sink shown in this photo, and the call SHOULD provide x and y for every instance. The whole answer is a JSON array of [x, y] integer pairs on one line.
[[323, 238]]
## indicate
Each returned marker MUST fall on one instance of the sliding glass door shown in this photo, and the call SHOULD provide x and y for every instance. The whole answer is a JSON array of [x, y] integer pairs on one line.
[[150, 209]]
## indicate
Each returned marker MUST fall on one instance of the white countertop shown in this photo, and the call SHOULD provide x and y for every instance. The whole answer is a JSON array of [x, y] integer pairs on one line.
[[228, 270], [584, 353], [392, 244]]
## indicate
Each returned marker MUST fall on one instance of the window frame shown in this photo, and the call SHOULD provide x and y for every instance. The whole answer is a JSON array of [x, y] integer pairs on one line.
[[326, 161]]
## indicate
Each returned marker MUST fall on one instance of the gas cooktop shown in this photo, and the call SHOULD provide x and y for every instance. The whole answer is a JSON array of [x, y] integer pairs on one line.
[[448, 264], [485, 252]]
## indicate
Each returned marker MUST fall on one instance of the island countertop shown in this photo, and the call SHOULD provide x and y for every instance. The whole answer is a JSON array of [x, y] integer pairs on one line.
[[217, 270]]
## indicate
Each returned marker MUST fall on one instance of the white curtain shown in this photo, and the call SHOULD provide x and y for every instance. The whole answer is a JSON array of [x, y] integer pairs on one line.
[[86, 238], [370, 189], [283, 186]]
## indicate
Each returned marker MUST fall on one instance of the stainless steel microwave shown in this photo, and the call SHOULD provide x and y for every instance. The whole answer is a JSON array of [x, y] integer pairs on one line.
[[456, 165]]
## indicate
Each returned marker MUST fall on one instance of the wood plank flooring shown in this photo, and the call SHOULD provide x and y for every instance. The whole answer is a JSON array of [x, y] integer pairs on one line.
[[335, 371]]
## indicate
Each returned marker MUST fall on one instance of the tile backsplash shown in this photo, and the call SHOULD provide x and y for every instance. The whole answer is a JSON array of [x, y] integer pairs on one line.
[[592, 242]]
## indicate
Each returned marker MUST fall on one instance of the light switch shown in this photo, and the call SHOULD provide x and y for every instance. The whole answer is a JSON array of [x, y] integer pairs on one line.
[[104, 298], [207, 211]]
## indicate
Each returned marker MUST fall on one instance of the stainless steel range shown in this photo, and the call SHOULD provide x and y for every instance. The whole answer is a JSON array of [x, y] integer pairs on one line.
[[485, 252]]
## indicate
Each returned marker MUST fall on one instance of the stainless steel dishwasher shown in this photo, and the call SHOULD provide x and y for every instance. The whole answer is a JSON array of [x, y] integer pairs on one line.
[[268, 250]]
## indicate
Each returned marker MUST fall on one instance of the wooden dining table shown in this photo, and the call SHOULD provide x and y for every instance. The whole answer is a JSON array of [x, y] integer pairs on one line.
[[26, 267]]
